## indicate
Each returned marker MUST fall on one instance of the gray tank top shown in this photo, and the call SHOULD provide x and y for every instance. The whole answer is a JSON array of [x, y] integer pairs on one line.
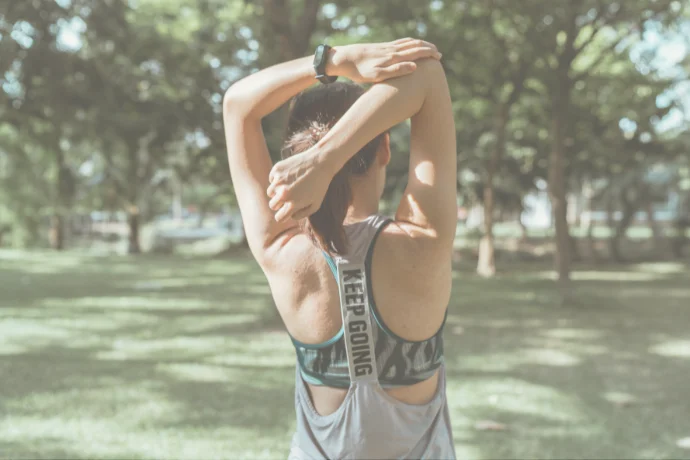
[[369, 424]]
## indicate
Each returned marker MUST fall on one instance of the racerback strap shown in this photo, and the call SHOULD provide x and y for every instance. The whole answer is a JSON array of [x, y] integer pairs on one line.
[[359, 336]]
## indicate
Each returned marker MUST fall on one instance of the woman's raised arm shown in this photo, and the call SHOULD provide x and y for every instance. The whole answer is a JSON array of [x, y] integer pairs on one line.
[[252, 98], [429, 202]]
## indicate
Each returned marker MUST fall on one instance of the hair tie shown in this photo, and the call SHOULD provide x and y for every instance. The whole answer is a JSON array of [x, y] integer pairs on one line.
[[317, 131]]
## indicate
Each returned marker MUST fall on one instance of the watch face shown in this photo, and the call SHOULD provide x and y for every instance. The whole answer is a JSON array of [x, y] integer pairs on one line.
[[318, 55]]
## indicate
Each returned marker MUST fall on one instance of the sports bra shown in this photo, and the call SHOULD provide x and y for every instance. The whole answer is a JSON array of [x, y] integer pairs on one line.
[[399, 362]]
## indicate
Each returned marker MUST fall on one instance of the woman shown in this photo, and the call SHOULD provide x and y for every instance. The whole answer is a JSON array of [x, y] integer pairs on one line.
[[363, 297]]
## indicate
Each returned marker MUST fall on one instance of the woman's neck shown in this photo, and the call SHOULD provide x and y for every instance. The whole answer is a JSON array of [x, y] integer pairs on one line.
[[365, 202]]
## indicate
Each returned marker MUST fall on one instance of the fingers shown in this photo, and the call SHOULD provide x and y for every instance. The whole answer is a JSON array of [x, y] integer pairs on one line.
[[277, 199], [272, 174], [303, 213], [397, 70], [402, 40], [414, 43], [284, 212], [414, 54], [272, 187]]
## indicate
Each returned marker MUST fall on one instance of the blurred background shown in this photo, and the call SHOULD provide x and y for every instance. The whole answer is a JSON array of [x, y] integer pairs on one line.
[[135, 323]]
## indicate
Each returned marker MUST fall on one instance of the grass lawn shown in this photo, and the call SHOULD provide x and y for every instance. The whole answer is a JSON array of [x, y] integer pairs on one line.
[[158, 357]]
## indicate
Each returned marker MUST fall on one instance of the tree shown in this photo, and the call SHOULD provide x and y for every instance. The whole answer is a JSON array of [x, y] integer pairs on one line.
[[505, 35], [43, 80], [585, 35]]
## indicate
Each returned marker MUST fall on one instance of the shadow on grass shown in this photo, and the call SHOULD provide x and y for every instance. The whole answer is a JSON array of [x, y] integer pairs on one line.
[[612, 370], [159, 357]]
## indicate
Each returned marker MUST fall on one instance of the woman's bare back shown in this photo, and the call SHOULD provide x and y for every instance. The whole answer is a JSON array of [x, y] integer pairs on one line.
[[411, 289]]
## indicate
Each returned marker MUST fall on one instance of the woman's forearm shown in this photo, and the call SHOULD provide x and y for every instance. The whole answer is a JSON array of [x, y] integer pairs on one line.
[[383, 106], [263, 92]]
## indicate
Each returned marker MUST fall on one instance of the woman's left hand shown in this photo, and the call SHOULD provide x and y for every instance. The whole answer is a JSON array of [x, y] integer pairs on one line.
[[376, 62]]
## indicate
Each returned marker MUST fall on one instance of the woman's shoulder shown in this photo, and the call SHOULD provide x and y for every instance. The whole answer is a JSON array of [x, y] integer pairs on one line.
[[412, 255], [409, 240]]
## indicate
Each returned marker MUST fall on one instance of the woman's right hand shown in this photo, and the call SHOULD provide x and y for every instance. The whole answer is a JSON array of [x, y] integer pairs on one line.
[[375, 62], [298, 184]]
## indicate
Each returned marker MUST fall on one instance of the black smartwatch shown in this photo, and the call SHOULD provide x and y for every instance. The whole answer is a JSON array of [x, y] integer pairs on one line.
[[320, 60]]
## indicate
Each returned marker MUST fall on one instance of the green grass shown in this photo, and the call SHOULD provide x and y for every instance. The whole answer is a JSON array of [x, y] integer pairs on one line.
[[157, 357]]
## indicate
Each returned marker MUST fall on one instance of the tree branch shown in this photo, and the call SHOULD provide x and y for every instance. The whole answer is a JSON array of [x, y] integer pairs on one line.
[[306, 26], [518, 82], [600, 21], [606, 52], [278, 21]]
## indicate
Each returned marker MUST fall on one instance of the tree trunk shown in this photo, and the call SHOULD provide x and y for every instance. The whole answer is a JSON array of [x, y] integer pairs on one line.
[[286, 40], [653, 227], [486, 265], [557, 192], [587, 221], [133, 222], [524, 236], [591, 241], [177, 210], [574, 249], [577, 209], [57, 231], [611, 214], [64, 188], [680, 240], [629, 209], [133, 190]]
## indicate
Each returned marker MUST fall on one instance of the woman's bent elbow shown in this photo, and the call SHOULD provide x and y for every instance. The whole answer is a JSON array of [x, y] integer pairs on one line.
[[234, 102]]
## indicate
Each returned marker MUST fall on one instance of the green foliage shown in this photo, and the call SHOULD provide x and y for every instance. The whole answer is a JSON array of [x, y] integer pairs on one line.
[[108, 105]]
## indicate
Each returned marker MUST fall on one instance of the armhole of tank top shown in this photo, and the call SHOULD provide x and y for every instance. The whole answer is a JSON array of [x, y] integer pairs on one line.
[[372, 303], [331, 264], [339, 334]]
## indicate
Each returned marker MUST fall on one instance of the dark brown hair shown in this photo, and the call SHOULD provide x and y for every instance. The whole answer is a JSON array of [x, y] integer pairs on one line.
[[312, 114]]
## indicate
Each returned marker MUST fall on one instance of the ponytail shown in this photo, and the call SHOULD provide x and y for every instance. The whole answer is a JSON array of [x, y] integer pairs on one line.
[[325, 226]]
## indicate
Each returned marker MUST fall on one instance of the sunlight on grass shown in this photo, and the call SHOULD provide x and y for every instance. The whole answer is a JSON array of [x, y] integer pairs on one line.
[[26, 258], [198, 372], [194, 268], [619, 398], [161, 283], [664, 296], [11, 328], [505, 362], [573, 334], [12, 349], [570, 348], [661, 267], [90, 422], [127, 302], [199, 367], [106, 321], [463, 450], [593, 275], [162, 349], [200, 323], [76, 436], [482, 396], [267, 350], [674, 348], [556, 358]]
